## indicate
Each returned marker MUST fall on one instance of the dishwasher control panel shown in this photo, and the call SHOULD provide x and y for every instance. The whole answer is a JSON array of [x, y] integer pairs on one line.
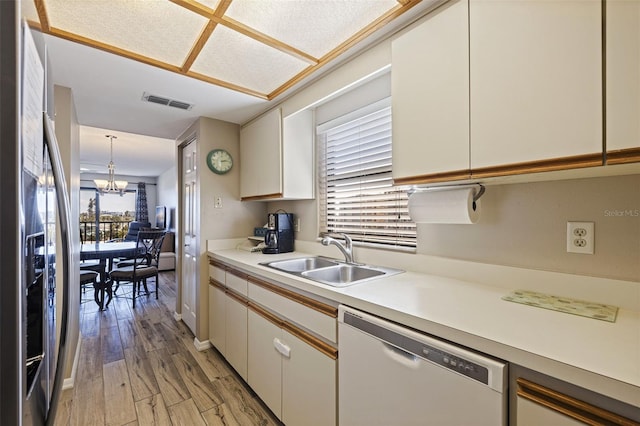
[[454, 358]]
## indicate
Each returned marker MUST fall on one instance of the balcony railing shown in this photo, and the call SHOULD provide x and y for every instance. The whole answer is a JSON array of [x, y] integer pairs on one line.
[[107, 230]]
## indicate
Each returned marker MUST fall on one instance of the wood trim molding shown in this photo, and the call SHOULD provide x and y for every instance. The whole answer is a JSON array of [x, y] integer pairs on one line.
[[237, 297], [623, 156], [237, 273], [266, 314], [262, 197], [217, 284], [433, 178], [569, 406], [311, 340], [217, 263], [43, 16], [296, 297], [554, 164]]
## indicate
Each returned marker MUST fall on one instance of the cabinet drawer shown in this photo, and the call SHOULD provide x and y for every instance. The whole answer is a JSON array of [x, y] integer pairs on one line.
[[217, 273], [320, 323], [236, 281]]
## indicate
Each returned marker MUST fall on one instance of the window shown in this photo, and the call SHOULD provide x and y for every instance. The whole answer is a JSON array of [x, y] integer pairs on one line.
[[112, 211], [357, 196]]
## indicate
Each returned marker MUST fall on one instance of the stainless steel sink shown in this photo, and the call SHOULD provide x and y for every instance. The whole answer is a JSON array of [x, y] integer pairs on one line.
[[341, 275], [330, 271], [301, 264]]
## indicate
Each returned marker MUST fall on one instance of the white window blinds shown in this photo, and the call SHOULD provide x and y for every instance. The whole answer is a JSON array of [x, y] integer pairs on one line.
[[357, 196]]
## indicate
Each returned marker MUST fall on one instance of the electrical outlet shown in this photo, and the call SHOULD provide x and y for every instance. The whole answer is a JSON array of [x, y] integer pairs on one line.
[[580, 237], [217, 202], [296, 226]]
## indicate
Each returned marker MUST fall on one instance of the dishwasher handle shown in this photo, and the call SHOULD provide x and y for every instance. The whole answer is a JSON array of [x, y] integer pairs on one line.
[[401, 356]]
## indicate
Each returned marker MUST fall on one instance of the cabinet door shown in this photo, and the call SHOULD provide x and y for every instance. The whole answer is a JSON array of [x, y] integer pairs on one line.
[[217, 318], [297, 155], [261, 156], [623, 81], [264, 362], [308, 385], [236, 339], [430, 96], [536, 84]]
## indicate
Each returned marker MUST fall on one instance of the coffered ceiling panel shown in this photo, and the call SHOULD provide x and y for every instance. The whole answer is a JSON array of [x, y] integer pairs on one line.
[[313, 26], [243, 61], [257, 47], [156, 29]]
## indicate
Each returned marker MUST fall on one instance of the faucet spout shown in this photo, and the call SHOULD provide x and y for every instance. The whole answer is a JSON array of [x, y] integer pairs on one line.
[[346, 248]]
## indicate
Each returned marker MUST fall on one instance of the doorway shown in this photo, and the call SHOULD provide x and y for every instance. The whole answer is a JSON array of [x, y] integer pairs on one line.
[[189, 231]]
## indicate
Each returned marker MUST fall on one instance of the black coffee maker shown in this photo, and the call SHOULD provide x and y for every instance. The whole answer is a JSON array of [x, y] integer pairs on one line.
[[279, 235]]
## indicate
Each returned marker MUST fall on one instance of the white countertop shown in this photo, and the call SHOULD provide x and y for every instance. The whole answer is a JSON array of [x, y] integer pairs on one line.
[[599, 355]]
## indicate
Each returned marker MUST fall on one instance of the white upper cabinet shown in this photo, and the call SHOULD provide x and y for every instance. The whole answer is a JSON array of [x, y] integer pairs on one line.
[[430, 97], [535, 85], [276, 157], [623, 81], [261, 157]]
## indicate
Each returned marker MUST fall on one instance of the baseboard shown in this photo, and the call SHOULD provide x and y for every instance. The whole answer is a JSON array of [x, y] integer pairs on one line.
[[70, 381], [177, 316], [201, 346]]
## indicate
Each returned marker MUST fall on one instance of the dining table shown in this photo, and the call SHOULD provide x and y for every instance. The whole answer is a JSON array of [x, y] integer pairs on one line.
[[105, 253]]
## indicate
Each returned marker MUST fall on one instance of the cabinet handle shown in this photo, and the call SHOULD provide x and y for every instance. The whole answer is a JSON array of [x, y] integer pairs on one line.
[[281, 347]]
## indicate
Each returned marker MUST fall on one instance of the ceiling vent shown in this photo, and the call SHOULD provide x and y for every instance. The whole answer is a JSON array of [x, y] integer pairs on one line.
[[166, 101]]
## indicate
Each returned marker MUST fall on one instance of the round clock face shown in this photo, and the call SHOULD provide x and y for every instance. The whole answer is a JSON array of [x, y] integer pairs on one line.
[[219, 161]]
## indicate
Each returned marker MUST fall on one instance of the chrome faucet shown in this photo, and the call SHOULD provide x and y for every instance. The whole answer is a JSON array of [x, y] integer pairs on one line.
[[346, 248]]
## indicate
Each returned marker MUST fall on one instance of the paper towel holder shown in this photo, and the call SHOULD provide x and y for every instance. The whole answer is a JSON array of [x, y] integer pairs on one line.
[[476, 196]]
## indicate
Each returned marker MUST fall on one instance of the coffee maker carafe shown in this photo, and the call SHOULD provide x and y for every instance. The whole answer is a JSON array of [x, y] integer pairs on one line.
[[279, 236]]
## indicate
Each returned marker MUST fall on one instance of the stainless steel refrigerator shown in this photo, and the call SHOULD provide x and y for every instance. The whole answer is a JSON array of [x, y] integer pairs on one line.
[[34, 235]]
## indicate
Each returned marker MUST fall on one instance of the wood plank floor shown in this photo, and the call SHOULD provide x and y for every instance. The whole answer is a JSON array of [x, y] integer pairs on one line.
[[140, 367]]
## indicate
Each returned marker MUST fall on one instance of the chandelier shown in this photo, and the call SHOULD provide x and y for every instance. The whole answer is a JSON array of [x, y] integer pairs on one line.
[[111, 185]]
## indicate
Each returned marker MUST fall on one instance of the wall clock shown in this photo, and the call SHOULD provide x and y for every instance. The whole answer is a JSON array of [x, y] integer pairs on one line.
[[219, 161]]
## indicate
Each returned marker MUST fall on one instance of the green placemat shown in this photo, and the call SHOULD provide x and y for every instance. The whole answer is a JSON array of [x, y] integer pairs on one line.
[[564, 304]]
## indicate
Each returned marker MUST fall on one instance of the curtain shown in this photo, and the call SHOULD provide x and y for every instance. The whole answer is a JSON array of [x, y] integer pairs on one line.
[[142, 211]]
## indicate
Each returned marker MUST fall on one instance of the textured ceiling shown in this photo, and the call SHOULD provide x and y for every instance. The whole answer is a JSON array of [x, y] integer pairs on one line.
[[257, 47]]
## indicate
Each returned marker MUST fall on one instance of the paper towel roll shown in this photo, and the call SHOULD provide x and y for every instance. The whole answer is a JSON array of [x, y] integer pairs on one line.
[[453, 205]]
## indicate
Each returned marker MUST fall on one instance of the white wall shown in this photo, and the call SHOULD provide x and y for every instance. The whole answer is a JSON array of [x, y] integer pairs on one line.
[[167, 191]]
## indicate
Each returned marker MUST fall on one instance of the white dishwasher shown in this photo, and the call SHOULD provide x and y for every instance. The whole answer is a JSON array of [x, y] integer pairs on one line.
[[392, 375]]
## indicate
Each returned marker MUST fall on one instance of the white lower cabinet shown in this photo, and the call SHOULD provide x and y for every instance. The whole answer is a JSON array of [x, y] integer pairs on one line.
[[217, 313], [294, 379], [265, 362], [236, 339], [308, 385], [283, 344]]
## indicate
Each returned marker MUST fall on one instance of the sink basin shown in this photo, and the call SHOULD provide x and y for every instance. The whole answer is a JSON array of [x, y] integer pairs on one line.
[[341, 275], [330, 271], [301, 264]]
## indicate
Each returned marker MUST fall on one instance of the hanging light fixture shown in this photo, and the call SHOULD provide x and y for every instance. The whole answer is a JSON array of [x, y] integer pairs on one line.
[[111, 185]]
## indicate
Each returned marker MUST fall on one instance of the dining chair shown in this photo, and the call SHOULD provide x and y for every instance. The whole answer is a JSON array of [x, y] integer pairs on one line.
[[141, 268], [88, 278]]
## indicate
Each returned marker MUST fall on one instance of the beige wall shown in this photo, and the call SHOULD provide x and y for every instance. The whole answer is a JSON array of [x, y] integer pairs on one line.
[[524, 225], [68, 135], [234, 220]]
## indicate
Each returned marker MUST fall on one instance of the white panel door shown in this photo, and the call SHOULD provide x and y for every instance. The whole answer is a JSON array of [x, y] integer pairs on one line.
[[189, 234]]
